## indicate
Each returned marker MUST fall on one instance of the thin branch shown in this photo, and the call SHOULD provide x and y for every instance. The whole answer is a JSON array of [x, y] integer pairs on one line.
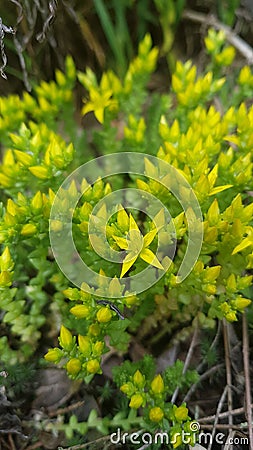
[[234, 412], [219, 407], [66, 409], [235, 40], [202, 377], [187, 361], [245, 339], [228, 370], [224, 426]]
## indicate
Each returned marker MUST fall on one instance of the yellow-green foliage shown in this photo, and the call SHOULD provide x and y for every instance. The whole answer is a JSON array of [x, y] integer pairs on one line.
[[207, 136]]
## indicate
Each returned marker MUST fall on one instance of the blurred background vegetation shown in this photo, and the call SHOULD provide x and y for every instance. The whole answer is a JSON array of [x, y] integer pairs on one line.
[[106, 33]]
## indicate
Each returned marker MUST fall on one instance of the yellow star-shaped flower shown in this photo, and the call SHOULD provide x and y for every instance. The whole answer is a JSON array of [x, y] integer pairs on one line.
[[98, 102], [136, 246]]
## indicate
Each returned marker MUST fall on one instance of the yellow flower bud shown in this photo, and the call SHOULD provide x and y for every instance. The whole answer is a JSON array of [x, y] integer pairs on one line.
[[9, 220], [70, 68], [11, 207], [71, 293], [60, 78], [56, 225], [23, 158], [5, 181], [181, 413], [211, 274], [5, 279], [231, 316], [231, 283], [157, 385], [127, 388], [104, 315], [210, 44], [130, 301], [51, 195], [40, 172], [6, 262], [37, 202], [209, 288], [73, 366], [29, 229], [66, 339], [84, 226], [53, 355], [225, 308], [80, 311], [176, 440], [139, 379], [98, 348], [84, 344], [213, 213], [156, 414], [93, 366], [245, 75], [8, 158], [226, 57], [136, 401], [241, 303], [94, 329]]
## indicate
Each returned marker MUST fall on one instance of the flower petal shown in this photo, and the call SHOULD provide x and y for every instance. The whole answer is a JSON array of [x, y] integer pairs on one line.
[[149, 237], [88, 107], [121, 242], [149, 257], [132, 224], [99, 114], [127, 263]]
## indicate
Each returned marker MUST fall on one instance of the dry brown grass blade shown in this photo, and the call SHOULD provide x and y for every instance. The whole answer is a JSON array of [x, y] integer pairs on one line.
[[187, 360], [228, 370], [218, 410], [234, 412], [245, 338], [92, 41]]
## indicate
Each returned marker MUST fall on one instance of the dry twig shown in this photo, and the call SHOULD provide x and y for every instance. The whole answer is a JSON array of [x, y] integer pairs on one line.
[[228, 370], [234, 412], [245, 339], [231, 36], [67, 409], [187, 361], [224, 426], [202, 377], [219, 407]]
